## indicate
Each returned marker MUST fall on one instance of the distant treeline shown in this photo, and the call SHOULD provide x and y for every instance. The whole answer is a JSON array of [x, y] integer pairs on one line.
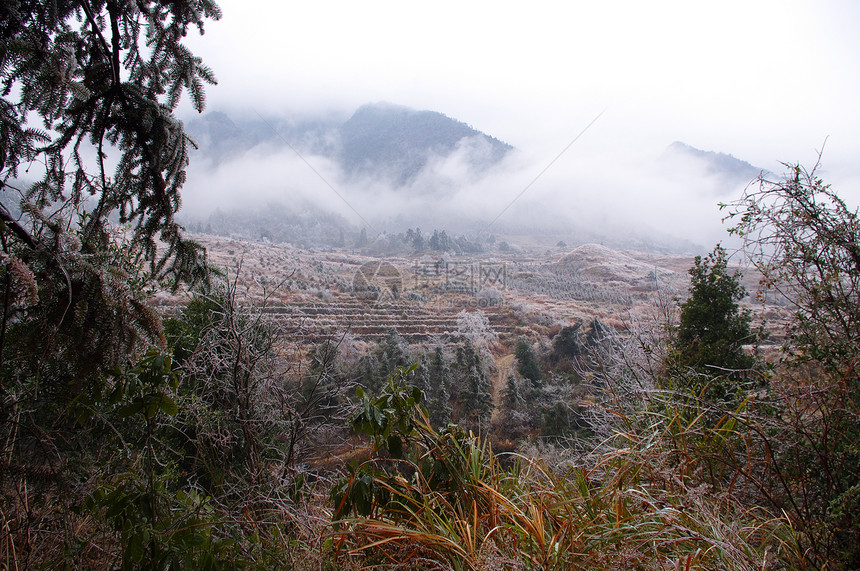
[[417, 242], [308, 226]]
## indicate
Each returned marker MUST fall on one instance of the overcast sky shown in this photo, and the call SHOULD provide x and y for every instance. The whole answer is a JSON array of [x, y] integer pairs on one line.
[[766, 81]]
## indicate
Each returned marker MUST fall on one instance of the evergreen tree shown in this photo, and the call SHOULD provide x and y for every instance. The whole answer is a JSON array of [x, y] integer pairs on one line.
[[527, 361], [474, 397], [597, 332], [561, 420], [320, 388], [434, 241], [81, 69], [416, 239], [392, 353], [439, 405], [438, 395], [421, 377], [568, 343], [368, 373], [439, 241], [514, 419], [567, 346], [512, 400], [710, 338], [362, 239], [88, 90], [438, 369]]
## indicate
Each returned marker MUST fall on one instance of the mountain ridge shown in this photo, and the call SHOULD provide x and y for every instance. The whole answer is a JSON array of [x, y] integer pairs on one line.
[[726, 167], [380, 135], [380, 140]]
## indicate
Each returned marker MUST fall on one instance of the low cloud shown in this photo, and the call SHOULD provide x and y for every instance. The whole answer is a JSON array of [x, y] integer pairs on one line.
[[588, 191]]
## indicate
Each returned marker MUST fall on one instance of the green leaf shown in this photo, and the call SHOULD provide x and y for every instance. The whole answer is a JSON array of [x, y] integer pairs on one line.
[[169, 406], [152, 408], [135, 547], [117, 393], [130, 409]]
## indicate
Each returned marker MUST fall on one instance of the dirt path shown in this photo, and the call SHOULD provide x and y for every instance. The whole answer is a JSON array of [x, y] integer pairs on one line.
[[505, 366]]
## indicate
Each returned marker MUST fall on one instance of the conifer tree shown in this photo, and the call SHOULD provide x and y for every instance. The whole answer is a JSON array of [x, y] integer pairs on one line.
[[392, 351], [438, 369], [420, 377], [710, 338], [368, 373], [512, 400], [104, 75], [320, 389], [474, 397], [527, 361], [85, 85], [597, 332], [568, 343], [362, 239], [88, 90], [438, 395], [439, 405]]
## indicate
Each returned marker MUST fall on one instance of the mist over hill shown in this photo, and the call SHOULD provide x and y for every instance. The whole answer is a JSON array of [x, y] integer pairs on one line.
[[727, 169], [380, 141], [386, 168], [398, 142]]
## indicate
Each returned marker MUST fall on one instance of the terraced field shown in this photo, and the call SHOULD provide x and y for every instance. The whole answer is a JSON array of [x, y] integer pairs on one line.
[[318, 294], [416, 322]]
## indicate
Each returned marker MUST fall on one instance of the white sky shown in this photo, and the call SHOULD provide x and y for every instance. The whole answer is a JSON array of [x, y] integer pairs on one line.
[[766, 81]]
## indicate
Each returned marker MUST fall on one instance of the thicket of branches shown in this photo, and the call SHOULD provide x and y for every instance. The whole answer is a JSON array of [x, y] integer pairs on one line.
[[86, 85], [805, 241]]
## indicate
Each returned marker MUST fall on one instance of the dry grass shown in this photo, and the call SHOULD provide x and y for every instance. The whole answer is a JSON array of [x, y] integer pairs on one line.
[[642, 506]]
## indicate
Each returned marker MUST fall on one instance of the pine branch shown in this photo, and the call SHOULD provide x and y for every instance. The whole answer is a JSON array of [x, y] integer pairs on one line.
[[7, 219]]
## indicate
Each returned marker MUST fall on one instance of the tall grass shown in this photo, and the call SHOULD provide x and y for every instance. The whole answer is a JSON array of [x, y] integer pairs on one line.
[[657, 500]]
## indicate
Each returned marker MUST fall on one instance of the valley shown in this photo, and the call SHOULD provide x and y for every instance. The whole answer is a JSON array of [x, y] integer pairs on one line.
[[318, 294]]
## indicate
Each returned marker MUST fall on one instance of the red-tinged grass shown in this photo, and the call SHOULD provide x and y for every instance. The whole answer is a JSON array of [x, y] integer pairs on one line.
[[644, 506]]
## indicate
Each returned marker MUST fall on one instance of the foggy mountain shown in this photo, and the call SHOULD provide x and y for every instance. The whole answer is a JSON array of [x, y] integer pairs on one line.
[[379, 141], [728, 170], [221, 137], [387, 168], [397, 141]]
